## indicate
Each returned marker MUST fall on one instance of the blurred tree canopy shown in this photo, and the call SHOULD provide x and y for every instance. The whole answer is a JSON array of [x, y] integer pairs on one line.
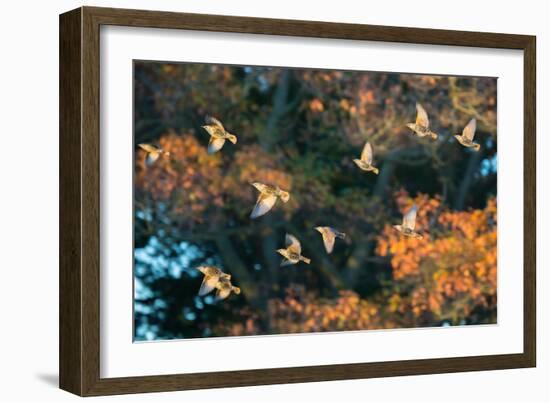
[[300, 129]]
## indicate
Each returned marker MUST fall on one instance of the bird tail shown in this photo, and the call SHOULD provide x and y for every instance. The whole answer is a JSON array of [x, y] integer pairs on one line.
[[236, 290], [375, 170], [434, 135], [232, 138], [477, 147], [305, 260], [340, 235]]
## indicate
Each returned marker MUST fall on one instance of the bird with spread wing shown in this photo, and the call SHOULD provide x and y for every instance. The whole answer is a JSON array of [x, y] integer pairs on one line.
[[153, 152], [365, 163], [212, 276], [218, 134], [267, 198], [329, 236], [293, 252], [409, 222], [421, 127], [467, 136]]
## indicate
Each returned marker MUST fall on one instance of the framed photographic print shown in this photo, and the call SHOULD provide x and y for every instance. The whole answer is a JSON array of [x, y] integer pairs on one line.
[[249, 201]]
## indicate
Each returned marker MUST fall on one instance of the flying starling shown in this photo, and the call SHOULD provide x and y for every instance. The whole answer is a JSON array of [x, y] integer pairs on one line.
[[467, 136], [365, 163], [292, 253], [329, 236], [267, 198], [409, 221], [153, 152], [422, 125], [218, 134], [212, 276]]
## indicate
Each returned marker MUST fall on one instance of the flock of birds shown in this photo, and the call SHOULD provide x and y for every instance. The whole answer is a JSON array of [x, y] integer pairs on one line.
[[216, 279]]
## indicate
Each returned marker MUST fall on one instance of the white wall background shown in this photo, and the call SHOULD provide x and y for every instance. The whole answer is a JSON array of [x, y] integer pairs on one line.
[[29, 199]]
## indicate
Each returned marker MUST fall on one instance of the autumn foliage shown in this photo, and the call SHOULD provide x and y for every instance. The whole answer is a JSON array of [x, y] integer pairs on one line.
[[449, 274]]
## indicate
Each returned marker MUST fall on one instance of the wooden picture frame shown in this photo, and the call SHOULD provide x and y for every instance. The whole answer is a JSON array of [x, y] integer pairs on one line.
[[79, 201]]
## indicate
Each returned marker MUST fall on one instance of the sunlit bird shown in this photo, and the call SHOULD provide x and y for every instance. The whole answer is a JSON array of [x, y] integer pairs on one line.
[[218, 134], [267, 198], [329, 236], [422, 125], [212, 277], [365, 163], [467, 136], [153, 152], [224, 288], [409, 222], [293, 252]]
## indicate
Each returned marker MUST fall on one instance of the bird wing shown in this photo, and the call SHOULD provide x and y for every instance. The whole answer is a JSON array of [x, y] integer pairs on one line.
[[292, 244], [409, 219], [152, 157], [286, 262], [470, 130], [208, 284], [215, 144], [328, 240], [264, 203], [422, 116], [148, 147], [366, 155], [210, 120], [260, 186]]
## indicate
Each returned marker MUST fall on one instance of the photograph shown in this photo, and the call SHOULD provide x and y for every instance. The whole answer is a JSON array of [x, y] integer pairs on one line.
[[280, 200]]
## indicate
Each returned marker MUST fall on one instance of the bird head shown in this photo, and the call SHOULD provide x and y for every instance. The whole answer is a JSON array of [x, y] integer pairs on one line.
[[285, 196], [411, 126], [232, 138]]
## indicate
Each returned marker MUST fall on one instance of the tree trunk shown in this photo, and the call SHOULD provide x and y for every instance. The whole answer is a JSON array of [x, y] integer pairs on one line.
[[232, 260], [280, 99], [268, 139], [473, 164]]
